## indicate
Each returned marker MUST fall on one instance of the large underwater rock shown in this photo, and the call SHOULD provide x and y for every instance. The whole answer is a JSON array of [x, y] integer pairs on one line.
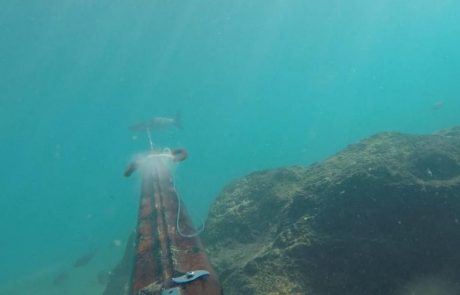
[[380, 217]]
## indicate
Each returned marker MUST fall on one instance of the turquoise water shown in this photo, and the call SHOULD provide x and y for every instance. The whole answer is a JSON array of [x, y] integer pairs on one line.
[[260, 84]]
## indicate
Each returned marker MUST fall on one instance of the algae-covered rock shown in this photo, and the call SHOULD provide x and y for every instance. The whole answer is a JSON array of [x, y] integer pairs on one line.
[[380, 217]]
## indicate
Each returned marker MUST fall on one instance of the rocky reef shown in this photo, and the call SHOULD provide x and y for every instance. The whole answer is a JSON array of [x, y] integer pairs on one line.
[[380, 217]]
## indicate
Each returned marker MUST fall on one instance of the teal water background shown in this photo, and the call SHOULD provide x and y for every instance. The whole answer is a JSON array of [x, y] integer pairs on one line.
[[260, 84]]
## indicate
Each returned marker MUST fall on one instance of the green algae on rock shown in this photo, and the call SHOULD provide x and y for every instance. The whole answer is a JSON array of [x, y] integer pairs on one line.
[[377, 218]]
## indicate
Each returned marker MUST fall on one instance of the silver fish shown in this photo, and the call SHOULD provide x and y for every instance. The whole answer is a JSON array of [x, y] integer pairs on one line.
[[157, 123]]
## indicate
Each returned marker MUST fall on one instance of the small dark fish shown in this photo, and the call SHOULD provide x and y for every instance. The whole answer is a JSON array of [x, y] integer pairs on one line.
[[438, 105], [60, 278], [84, 259]]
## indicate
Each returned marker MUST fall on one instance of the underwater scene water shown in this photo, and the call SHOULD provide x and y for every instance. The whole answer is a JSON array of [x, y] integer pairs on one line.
[[258, 85]]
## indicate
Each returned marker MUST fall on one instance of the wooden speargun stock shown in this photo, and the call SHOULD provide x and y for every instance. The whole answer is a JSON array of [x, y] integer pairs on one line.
[[167, 261]]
